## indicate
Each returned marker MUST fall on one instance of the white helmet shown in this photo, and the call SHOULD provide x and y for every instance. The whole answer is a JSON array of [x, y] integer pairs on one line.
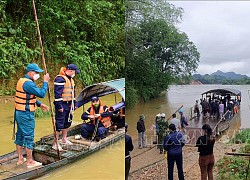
[[158, 115], [163, 115]]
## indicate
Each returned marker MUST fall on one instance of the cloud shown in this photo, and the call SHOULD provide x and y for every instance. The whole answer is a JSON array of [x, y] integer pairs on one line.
[[225, 67], [220, 30]]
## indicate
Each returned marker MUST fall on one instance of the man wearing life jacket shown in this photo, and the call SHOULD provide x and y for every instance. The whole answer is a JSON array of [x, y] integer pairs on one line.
[[64, 92], [96, 112], [25, 107]]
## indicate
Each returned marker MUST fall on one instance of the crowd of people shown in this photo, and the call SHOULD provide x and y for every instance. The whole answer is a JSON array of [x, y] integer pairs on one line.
[[171, 139], [216, 107]]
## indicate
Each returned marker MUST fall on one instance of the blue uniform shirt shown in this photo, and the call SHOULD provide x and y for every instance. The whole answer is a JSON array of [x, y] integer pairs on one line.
[[30, 88], [173, 143]]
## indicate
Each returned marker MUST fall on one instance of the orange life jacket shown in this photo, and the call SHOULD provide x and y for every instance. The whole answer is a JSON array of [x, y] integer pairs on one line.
[[21, 97], [69, 86], [106, 121]]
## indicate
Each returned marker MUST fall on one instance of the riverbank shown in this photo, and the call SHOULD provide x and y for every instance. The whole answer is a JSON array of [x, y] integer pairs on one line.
[[148, 163]]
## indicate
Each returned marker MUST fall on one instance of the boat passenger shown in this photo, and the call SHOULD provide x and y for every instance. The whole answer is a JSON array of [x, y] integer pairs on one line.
[[196, 108], [118, 117], [64, 93], [183, 120], [25, 107], [99, 117], [221, 109]]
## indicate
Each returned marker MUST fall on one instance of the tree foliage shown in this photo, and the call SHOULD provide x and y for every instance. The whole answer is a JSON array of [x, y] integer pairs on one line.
[[157, 53], [88, 33]]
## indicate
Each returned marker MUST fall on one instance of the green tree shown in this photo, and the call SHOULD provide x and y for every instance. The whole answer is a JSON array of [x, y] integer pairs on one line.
[[88, 33], [157, 53]]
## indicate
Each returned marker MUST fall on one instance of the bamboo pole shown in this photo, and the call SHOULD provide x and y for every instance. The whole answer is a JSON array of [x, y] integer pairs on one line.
[[174, 112], [45, 68]]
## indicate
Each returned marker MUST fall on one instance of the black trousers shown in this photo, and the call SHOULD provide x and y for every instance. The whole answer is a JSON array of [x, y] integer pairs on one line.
[[127, 167]]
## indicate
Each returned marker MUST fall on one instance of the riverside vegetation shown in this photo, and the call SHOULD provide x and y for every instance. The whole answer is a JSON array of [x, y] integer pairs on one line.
[[236, 167], [88, 33], [157, 52]]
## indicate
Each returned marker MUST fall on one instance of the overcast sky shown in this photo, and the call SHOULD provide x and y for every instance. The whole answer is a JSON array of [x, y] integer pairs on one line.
[[221, 32]]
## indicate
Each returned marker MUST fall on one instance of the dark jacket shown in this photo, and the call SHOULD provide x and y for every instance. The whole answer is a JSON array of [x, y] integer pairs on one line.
[[128, 145], [140, 126], [173, 143], [205, 146]]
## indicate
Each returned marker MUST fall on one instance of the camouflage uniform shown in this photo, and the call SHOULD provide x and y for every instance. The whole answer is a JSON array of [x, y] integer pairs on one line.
[[163, 125]]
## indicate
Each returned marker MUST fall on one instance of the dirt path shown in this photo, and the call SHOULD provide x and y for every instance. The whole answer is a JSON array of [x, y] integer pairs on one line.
[[148, 163]]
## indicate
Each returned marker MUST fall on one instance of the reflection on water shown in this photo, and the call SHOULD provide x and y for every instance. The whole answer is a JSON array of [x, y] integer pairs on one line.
[[184, 95], [107, 163]]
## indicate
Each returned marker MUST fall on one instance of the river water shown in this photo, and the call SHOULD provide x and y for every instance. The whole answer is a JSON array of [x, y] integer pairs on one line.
[[185, 95], [106, 164]]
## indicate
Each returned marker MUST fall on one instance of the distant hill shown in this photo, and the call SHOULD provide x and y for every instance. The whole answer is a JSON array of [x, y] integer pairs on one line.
[[220, 77], [229, 75]]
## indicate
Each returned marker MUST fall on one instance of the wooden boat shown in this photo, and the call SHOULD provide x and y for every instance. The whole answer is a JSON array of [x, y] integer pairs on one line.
[[233, 96], [43, 152], [218, 125]]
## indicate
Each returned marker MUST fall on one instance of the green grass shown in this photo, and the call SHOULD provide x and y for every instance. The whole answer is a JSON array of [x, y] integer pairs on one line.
[[40, 114], [235, 167]]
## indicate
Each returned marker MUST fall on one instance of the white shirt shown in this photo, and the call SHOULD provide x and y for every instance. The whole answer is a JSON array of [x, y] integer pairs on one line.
[[176, 122]]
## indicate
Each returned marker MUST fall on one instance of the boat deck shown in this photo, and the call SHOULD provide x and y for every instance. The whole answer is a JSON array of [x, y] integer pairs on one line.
[[44, 153], [195, 124]]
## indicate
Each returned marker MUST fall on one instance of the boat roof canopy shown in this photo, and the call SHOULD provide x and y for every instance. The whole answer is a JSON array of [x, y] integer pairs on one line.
[[223, 92], [102, 89]]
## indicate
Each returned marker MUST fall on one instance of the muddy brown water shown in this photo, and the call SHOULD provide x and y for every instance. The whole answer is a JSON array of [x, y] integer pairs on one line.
[[185, 95], [107, 163]]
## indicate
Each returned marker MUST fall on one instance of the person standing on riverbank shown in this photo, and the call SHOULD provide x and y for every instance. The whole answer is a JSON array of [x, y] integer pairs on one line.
[[176, 122], [141, 131], [173, 144], [64, 92], [205, 146], [162, 124], [128, 147], [25, 107]]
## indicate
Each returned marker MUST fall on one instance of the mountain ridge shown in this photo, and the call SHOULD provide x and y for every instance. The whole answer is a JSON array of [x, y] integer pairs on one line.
[[220, 77]]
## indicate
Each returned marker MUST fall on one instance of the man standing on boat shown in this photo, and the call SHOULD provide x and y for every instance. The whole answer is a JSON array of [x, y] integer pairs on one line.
[[64, 92], [99, 118], [183, 120], [25, 107]]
